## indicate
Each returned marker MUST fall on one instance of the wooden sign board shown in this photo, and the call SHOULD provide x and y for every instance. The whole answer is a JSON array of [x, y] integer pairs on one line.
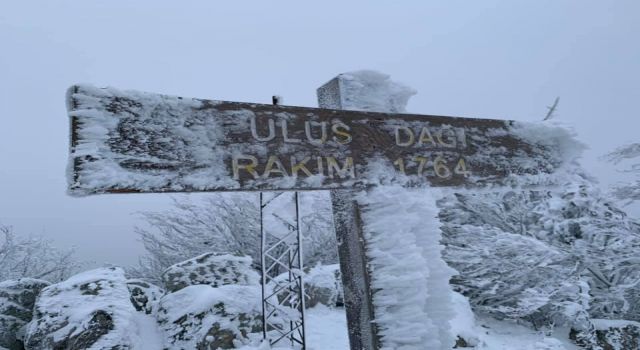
[[127, 141]]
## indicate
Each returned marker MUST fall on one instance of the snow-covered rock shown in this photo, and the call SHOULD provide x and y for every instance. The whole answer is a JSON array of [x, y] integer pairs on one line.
[[463, 324], [323, 285], [202, 317], [17, 298], [211, 269], [91, 310], [144, 295], [615, 334]]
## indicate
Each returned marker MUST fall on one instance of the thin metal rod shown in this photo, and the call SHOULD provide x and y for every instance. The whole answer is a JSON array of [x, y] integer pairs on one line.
[[301, 267], [263, 241]]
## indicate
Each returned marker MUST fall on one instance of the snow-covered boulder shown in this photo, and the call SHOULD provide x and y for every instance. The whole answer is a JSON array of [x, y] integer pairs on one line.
[[211, 269], [144, 295], [323, 285], [615, 334], [89, 310], [202, 317], [463, 324], [17, 298]]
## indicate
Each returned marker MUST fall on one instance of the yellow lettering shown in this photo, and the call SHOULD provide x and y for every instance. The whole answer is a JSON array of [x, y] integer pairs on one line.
[[323, 130], [400, 164], [285, 133], [341, 129], [250, 167], [409, 133], [462, 136], [440, 167], [272, 130], [461, 168], [452, 138], [347, 169], [422, 162], [268, 169], [320, 167], [296, 167], [425, 136]]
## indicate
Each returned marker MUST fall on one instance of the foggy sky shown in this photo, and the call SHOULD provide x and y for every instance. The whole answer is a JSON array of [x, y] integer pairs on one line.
[[491, 59]]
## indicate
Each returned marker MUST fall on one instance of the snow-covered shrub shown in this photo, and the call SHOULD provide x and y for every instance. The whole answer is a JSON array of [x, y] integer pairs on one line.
[[629, 191], [203, 317], [33, 257], [17, 298], [221, 223], [89, 310], [562, 255], [227, 223], [606, 242], [318, 235], [210, 269]]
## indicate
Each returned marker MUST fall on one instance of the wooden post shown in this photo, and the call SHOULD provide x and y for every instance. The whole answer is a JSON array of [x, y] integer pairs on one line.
[[358, 297]]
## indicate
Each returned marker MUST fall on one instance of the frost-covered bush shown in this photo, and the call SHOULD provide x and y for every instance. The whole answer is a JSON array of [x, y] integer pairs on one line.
[[627, 191], [227, 223], [222, 223], [33, 257], [563, 255]]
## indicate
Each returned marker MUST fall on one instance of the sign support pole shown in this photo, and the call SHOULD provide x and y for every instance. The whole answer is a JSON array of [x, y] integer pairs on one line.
[[351, 249]]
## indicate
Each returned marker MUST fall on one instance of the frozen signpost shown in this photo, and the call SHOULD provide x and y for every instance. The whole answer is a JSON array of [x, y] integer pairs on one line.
[[135, 142]]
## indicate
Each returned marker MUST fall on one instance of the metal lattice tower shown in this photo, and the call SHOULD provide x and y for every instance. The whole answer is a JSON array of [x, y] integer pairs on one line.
[[281, 255]]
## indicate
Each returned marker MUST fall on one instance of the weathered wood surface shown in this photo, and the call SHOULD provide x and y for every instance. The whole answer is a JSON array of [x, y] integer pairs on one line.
[[354, 270], [127, 141]]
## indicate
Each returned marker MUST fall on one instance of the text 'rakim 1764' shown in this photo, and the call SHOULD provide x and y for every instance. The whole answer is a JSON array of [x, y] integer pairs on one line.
[[129, 141]]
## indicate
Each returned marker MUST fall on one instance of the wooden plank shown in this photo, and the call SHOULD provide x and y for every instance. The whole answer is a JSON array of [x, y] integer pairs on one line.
[[127, 141], [358, 296]]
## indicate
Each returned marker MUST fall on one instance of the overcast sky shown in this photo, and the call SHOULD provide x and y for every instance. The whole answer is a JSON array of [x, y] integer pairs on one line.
[[492, 59]]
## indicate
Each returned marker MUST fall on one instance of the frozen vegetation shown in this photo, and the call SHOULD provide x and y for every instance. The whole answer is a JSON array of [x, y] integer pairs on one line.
[[545, 263]]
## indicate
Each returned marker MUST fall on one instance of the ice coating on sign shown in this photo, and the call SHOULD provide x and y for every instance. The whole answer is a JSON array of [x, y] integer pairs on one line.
[[135, 139], [128, 141]]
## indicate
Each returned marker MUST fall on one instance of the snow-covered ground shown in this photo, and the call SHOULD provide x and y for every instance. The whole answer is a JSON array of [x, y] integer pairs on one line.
[[327, 330], [503, 335]]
